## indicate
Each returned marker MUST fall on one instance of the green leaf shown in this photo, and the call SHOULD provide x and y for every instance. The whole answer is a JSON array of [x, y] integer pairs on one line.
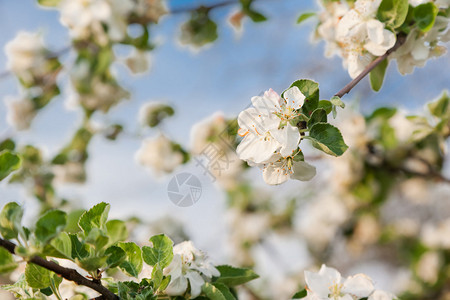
[[94, 218], [133, 261], [217, 291], [199, 30], [305, 16], [299, 295], [336, 101], [49, 3], [393, 12], [49, 225], [10, 220], [7, 144], [310, 90], [116, 256], [79, 249], [384, 113], [441, 107], [327, 138], [256, 16], [117, 231], [9, 162], [377, 75], [62, 244], [425, 16], [37, 277], [7, 262], [73, 218], [318, 116], [160, 253], [231, 276], [92, 263], [326, 105]]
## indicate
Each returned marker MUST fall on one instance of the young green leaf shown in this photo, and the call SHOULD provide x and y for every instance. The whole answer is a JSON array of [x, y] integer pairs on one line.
[[336, 101], [10, 220], [425, 15], [160, 253], [305, 16], [94, 218], [61, 245], [37, 277], [9, 162], [327, 138], [217, 291], [132, 265], [231, 276], [393, 12], [377, 75], [117, 231], [7, 262], [49, 225], [326, 105], [116, 256], [441, 107], [49, 3], [300, 295], [318, 116]]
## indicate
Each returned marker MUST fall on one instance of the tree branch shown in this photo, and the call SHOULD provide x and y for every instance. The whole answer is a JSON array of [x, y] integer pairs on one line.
[[212, 6], [346, 89], [67, 273]]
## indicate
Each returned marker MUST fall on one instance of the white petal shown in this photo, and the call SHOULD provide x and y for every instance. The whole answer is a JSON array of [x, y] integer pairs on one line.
[[288, 137], [303, 171], [248, 118], [266, 105], [177, 286], [358, 285], [294, 97], [420, 51], [318, 284], [196, 281], [273, 174], [381, 295], [332, 274], [375, 31], [257, 149]]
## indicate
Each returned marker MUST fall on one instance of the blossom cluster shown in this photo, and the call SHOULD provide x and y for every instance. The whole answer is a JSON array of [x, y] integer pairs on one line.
[[189, 265], [271, 137], [329, 284], [358, 32]]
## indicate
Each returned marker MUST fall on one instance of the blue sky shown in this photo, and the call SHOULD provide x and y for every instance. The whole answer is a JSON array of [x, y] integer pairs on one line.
[[221, 78]]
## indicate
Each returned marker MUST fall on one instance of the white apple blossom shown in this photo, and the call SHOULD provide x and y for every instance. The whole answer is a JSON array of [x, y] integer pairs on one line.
[[328, 284], [87, 17], [381, 295], [138, 62], [329, 19], [20, 113], [189, 267], [363, 37], [419, 47], [159, 154], [102, 96], [266, 126], [25, 53], [150, 10], [279, 169]]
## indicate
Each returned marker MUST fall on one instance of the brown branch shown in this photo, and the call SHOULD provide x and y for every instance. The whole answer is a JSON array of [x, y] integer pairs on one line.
[[67, 273], [346, 89]]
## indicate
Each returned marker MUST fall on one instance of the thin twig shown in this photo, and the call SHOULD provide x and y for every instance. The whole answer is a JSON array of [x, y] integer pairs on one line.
[[346, 89], [67, 273]]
